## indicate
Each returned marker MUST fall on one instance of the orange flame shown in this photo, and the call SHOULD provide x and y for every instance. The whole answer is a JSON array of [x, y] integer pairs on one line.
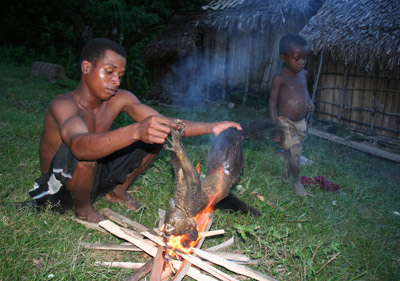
[[202, 219]]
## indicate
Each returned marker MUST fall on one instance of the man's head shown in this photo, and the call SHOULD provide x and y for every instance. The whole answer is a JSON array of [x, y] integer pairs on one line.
[[96, 48], [290, 42]]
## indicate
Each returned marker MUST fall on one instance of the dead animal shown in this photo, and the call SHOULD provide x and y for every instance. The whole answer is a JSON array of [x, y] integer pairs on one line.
[[191, 196]]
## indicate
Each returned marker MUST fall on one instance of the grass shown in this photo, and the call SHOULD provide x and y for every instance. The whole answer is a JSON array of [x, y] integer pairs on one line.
[[351, 235]]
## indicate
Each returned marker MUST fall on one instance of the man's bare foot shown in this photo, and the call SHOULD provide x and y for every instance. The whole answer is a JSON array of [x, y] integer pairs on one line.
[[123, 198], [299, 189], [88, 214]]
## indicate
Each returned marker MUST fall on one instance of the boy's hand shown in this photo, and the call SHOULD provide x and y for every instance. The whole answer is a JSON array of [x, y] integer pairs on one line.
[[276, 136], [311, 108]]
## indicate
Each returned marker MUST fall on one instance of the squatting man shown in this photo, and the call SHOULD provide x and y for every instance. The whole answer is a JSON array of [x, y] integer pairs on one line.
[[81, 159]]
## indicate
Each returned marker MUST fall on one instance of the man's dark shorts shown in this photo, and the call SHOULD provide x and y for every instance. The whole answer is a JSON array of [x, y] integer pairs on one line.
[[112, 170]]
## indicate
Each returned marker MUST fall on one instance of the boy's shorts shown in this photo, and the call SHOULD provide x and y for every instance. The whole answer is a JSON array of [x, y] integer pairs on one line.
[[112, 170], [292, 132]]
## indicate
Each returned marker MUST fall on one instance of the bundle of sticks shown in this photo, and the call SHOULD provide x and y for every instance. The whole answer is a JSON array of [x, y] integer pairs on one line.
[[197, 263]]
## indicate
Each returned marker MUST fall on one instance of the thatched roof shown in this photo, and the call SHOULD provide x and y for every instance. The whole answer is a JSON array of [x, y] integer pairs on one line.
[[184, 30], [363, 32], [254, 14], [177, 39]]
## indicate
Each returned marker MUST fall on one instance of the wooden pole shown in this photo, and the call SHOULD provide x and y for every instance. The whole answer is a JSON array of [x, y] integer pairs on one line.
[[315, 87]]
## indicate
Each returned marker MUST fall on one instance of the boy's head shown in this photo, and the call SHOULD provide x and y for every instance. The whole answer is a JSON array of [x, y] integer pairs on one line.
[[96, 48], [290, 42]]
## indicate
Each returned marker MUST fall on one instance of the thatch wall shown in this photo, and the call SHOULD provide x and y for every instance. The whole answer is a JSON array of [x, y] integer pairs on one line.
[[359, 82], [225, 48]]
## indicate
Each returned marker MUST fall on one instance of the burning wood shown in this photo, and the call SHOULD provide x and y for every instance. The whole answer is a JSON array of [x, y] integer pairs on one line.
[[155, 246], [191, 196]]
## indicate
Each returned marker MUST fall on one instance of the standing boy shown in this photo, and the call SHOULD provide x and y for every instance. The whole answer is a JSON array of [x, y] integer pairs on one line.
[[289, 103], [81, 158]]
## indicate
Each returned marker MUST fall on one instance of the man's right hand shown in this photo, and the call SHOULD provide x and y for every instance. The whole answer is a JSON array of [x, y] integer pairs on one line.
[[156, 128]]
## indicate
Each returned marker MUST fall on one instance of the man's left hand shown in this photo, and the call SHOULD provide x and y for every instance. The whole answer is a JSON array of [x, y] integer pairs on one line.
[[219, 127]]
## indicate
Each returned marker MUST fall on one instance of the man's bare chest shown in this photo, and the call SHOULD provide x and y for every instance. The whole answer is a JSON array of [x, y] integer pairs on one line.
[[98, 121]]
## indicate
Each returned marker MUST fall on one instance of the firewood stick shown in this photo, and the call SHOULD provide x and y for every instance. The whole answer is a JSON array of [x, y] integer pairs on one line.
[[141, 272], [132, 237], [211, 233], [130, 265], [90, 225], [129, 235], [158, 265], [166, 273], [207, 267], [196, 261], [223, 245], [186, 264], [230, 256], [112, 247], [122, 220], [240, 269]]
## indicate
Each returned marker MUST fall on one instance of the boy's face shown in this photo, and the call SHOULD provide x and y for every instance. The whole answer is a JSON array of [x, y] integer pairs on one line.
[[104, 78], [296, 59]]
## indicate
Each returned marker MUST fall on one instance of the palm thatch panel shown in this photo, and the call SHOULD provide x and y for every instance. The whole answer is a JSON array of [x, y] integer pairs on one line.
[[365, 33]]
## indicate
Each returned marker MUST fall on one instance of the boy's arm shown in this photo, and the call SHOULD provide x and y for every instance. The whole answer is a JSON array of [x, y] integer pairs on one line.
[[273, 99]]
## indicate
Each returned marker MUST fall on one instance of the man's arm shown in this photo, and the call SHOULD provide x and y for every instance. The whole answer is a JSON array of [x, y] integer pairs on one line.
[[201, 128], [89, 146], [139, 112]]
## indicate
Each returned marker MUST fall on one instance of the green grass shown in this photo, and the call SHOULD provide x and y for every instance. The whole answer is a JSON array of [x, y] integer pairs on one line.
[[351, 235]]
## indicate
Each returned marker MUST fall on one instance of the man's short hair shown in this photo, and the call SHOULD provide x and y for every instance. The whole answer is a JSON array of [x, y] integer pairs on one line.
[[96, 48], [289, 41]]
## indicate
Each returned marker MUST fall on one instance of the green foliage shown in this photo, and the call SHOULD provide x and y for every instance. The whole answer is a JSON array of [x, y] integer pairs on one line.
[[55, 31]]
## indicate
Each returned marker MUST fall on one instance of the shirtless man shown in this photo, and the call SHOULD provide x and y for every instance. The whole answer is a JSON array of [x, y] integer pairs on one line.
[[81, 159], [289, 103]]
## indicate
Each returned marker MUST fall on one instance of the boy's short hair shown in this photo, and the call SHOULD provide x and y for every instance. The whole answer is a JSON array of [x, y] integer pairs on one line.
[[96, 48], [289, 41]]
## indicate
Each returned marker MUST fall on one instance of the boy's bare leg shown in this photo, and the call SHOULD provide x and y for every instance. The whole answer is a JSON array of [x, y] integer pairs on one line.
[[295, 153], [80, 186], [120, 195], [286, 166]]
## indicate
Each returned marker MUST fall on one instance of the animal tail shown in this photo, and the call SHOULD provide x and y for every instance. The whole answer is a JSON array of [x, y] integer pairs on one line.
[[231, 202]]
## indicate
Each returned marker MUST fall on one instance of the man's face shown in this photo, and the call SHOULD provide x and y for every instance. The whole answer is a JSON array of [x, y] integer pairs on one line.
[[296, 59], [105, 77]]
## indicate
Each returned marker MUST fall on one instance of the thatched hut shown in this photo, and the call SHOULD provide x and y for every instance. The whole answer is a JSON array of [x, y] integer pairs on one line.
[[358, 46], [231, 45]]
